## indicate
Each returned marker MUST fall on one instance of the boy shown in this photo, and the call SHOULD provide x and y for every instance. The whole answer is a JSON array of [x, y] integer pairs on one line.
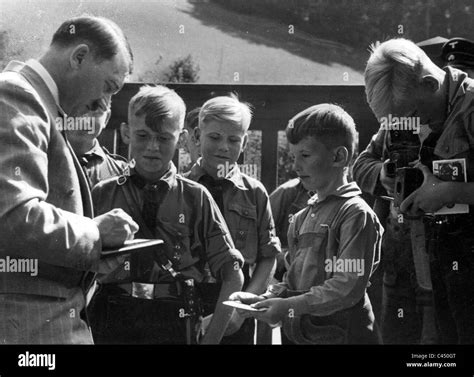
[[140, 302], [334, 243], [190, 124], [222, 136], [98, 163]]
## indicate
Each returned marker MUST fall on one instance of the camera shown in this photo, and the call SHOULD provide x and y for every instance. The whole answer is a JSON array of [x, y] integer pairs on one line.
[[407, 180], [404, 149]]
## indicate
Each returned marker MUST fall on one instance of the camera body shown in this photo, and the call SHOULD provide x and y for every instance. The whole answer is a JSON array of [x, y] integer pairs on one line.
[[403, 149]]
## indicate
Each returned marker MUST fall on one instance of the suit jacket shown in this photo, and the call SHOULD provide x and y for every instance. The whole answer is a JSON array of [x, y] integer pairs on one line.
[[45, 203]]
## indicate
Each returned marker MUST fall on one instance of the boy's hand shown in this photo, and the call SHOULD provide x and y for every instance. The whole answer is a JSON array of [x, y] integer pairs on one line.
[[277, 310], [245, 298], [235, 323], [110, 264]]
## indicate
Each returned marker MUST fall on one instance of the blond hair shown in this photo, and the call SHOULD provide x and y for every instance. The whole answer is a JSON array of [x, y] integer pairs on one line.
[[392, 73], [226, 109]]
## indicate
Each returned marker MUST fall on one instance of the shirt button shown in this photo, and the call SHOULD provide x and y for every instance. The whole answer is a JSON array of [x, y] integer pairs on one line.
[[241, 232], [312, 215], [177, 247], [246, 213]]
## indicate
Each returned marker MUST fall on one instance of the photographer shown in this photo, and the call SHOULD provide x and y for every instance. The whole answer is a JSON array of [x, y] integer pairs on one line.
[[401, 80]]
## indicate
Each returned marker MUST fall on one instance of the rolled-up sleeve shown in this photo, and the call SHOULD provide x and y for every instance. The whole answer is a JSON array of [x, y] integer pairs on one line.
[[219, 247], [268, 243]]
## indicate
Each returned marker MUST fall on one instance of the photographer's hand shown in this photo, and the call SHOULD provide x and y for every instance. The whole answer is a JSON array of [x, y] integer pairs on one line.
[[387, 182], [430, 197]]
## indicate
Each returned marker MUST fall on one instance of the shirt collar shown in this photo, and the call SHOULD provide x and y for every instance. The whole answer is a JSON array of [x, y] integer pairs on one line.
[[234, 175], [349, 190], [36, 66], [96, 151], [169, 177]]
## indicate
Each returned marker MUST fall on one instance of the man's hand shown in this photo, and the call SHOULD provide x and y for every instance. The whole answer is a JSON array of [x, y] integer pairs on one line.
[[430, 197], [115, 227], [387, 182]]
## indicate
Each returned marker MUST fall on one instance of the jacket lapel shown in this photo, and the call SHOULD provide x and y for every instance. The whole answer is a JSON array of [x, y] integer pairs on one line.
[[54, 111]]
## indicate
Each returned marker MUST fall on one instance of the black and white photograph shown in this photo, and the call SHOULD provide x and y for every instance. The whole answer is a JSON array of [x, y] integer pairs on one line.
[[236, 188]]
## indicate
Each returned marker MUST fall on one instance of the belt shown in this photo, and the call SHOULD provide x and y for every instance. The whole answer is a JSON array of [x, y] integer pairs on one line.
[[147, 291]]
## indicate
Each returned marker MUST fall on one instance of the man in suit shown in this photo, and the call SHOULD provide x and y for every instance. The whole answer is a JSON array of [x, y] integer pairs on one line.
[[46, 214]]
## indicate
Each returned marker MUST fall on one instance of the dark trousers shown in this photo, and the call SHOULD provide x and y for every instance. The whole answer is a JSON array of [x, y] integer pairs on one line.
[[120, 319], [452, 274], [245, 335]]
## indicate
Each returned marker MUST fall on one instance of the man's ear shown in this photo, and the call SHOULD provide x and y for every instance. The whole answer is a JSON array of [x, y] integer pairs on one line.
[[197, 136], [78, 55], [183, 137], [341, 156], [125, 132], [430, 83]]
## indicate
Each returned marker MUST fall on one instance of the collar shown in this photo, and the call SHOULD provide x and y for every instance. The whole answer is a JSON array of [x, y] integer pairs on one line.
[[96, 151], [457, 88], [348, 190], [168, 178], [234, 175], [36, 66]]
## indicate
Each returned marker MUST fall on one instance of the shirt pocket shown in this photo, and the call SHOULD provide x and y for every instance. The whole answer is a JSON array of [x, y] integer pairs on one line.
[[308, 261], [178, 244], [242, 223]]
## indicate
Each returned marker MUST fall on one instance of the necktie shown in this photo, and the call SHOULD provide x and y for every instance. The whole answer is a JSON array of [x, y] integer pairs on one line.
[[216, 188], [142, 264]]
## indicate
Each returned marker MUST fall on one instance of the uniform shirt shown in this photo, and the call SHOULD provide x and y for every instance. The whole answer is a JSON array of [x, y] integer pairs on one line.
[[354, 236], [100, 164], [287, 199], [247, 212], [187, 220]]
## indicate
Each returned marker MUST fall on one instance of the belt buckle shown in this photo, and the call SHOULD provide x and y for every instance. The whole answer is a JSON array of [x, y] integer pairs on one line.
[[143, 290]]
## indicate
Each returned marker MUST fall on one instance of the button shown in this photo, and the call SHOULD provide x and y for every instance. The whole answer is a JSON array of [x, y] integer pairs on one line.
[[312, 215], [447, 149], [241, 232], [177, 247], [246, 212]]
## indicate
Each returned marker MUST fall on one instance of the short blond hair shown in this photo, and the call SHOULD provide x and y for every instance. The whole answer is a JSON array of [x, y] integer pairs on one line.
[[226, 109], [157, 103], [391, 74]]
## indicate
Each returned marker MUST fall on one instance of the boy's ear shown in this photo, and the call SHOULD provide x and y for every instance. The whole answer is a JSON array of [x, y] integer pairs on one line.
[[78, 55], [197, 136], [125, 132], [340, 156], [430, 83], [183, 136], [246, 139]]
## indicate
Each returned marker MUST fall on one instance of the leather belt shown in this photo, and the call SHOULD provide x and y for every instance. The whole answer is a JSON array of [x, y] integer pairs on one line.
[[147, 291]]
